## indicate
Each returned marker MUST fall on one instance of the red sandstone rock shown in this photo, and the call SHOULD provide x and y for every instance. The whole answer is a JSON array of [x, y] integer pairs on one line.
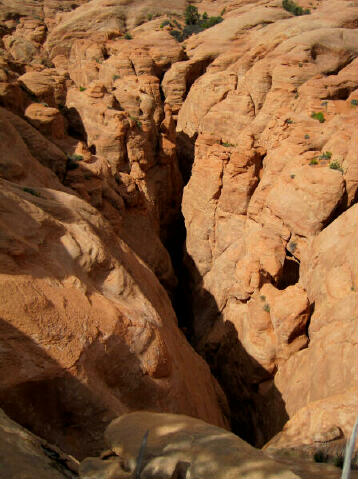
[[261, 197]]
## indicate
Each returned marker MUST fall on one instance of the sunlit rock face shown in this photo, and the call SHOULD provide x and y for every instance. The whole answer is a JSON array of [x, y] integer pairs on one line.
[[104, 119]]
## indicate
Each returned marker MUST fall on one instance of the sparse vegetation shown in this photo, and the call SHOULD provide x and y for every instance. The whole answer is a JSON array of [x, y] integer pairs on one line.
[[293, 176], [136, 121], [314, 161], [128, 36], [222, 11], [263, 298], [318, 116], [31, 191], [82, 88], [354, 102], [335, 165], [194, 23], [292, 7], [227, 145], [327, 155], [115, 77], [288, 121], [267, 307], [165, 23], [300, 64], [307, 137]]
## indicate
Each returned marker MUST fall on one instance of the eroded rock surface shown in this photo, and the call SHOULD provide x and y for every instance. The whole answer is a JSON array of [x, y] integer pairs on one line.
[[27, 456], [87, 331], [273, 120], [102, 115], [179, 445]]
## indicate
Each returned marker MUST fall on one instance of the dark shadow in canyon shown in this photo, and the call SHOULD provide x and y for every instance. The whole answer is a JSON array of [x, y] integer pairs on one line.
[[256, 406], [47, 399], [68, 406], [185, 152]]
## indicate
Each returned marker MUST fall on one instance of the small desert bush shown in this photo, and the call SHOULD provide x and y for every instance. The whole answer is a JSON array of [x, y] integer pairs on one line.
[[292, 7]]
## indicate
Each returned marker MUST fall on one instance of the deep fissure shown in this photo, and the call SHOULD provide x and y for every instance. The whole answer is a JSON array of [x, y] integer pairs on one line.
[[248, 406]]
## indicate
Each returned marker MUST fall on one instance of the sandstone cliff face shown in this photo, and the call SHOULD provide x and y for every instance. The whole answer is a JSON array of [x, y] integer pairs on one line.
[[103, 115], [267, 178], [87, 331]]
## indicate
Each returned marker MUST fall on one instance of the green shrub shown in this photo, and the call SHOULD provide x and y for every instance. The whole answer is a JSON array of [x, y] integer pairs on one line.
[[320, 456], [314, 161], [150, 16], [116, 77], [82, 88], [222, 11], [128, 36], [31, 191], [267, 308], [177, 35], [336, 166], [192, 16], [307, 137], [136, 121], [327, 155], [210, 22], [293, 176], [292, 7], [194, 23], [165, 23], [354, 102], [227, 145], [263, 298], [318, 116], [288, 121]]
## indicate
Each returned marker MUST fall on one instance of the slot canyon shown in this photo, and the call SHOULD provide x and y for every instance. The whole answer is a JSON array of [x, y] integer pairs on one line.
[[178, 238]]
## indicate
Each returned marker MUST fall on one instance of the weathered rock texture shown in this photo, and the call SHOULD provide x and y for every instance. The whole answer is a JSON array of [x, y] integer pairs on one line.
[[87, 331], [259, 113], [180, 444], [27, 456], [267, 179]]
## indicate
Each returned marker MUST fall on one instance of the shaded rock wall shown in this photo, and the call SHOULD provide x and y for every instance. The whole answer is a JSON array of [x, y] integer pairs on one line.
[[258, 115]]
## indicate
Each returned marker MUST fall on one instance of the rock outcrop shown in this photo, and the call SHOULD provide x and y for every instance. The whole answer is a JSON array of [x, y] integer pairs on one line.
[[275, 162], [27, 456], [104, 117], [178, 446], [318, 384], [87, 331]]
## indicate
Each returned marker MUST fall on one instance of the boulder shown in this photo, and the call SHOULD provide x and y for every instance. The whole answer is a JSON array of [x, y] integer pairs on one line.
[[179, 446]]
